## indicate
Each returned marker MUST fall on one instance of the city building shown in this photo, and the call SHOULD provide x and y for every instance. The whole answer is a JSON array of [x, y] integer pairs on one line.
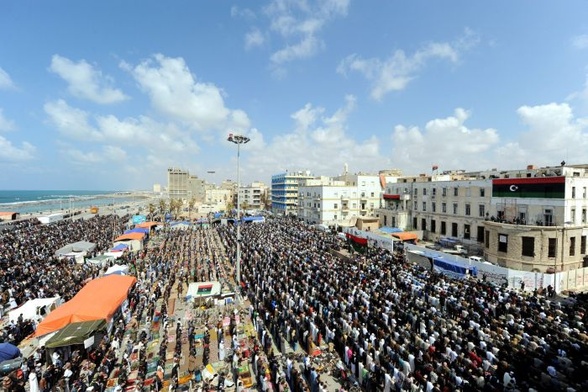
[[340, 200], [532, 219], [177, 183], [284, 191], [185, 186], [253, 196]]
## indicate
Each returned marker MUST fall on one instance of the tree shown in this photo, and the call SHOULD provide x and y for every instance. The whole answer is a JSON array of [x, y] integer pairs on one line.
[[162, 206], [191, 204], [151, 208]]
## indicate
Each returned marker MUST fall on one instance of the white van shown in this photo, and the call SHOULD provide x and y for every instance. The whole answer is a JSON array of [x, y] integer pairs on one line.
[[479, 260]]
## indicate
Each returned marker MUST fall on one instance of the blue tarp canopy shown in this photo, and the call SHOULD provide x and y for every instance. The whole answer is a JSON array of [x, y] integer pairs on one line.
[[120, 247], [8, 351], [138, 230], [390, 230], [253, 219]]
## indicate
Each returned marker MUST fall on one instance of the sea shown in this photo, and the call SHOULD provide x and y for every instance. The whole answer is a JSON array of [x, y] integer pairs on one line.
[[52, 201]]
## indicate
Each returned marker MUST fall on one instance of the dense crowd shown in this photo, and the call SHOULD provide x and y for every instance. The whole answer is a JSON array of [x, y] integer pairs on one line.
[[399, 327], [394, 326]]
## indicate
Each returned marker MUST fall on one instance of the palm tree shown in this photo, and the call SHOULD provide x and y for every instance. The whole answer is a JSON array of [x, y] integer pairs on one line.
[[191, 204], [162, 206], [151, 208], [175, 206]]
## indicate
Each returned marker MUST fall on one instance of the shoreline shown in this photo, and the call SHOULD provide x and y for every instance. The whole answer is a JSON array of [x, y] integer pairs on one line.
[[118, 207]]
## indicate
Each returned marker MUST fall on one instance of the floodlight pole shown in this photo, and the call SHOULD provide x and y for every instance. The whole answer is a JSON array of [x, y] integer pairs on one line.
[[238, 140]]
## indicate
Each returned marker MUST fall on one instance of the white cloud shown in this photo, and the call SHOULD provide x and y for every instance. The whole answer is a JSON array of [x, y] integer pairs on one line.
[[71, 122], [85, 82], [305, 48], [298, 24], [5, 80], [5, 123], [447, 142], [253, 39], [11, 153], [142, 132], [245, 13], [397, 71], [552, 134], [176, 93], [580, 41], [319, 142]]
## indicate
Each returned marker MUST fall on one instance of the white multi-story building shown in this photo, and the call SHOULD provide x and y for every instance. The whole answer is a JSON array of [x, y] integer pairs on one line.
[[253, 196], [531, 219], [284, 191], [338, 200]]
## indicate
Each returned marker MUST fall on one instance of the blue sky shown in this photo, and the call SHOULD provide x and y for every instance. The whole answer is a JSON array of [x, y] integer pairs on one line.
[[107, 95]]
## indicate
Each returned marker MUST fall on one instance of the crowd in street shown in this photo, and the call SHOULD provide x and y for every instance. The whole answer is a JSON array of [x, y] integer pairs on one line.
[[399, 327], [394, 326]]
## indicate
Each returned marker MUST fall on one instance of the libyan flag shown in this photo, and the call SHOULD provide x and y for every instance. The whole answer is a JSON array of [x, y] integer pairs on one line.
[[530, 187], [204, 289]]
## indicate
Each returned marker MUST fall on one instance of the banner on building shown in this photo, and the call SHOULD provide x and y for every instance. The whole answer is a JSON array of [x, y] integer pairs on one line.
[[533, 187]]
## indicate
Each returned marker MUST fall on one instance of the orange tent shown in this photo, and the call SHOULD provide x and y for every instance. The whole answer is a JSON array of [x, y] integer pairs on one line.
[[405, 236], [98, 299], [147, 225], [130, 236]]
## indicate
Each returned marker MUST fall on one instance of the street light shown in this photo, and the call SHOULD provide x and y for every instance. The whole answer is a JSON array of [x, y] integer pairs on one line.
[[238, 140]]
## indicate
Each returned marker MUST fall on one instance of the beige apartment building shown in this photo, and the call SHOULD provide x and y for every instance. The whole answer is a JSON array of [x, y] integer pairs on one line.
[[533, 219]]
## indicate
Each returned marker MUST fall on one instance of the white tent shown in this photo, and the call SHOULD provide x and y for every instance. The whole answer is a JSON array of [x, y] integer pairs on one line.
[[34, 309], [203, 290], [117, 269], [82, 247], [101, 260]]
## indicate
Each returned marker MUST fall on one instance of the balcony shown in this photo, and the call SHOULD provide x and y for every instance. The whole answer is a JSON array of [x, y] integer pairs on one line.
[[389, 196]]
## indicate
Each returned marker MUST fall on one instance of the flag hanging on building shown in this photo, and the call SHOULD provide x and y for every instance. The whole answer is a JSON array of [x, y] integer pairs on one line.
[[530, 187]]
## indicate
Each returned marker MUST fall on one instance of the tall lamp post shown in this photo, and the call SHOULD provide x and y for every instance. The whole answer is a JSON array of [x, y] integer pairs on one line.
[[238, 140]]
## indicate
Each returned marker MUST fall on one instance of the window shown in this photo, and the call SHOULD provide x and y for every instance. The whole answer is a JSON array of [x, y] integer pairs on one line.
[[433, 207], [583, 245], [354, 205], [468, 210], [455, 208], [423, 224], [416, 192], [443, 228], [443, 191], [414, 223], [551, 247], [372, 194], [424, 206], [573, 192], [487, 239], [482, 192], [454, 229], [583, 215], [433, 225], [434, 191], [481, 210], [415, 206], [572, 246], [456, 191], [466, 232], [336, 206], [503, 243], [573, 215], [444, 207], [528, 247], [583, 192], [424, 191]]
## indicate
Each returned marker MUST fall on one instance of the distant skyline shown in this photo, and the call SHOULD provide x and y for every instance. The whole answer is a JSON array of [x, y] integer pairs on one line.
[[108, 95]]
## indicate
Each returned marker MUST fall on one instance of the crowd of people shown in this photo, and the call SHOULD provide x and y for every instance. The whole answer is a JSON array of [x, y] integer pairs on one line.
[[393, 325], [399, 327]]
